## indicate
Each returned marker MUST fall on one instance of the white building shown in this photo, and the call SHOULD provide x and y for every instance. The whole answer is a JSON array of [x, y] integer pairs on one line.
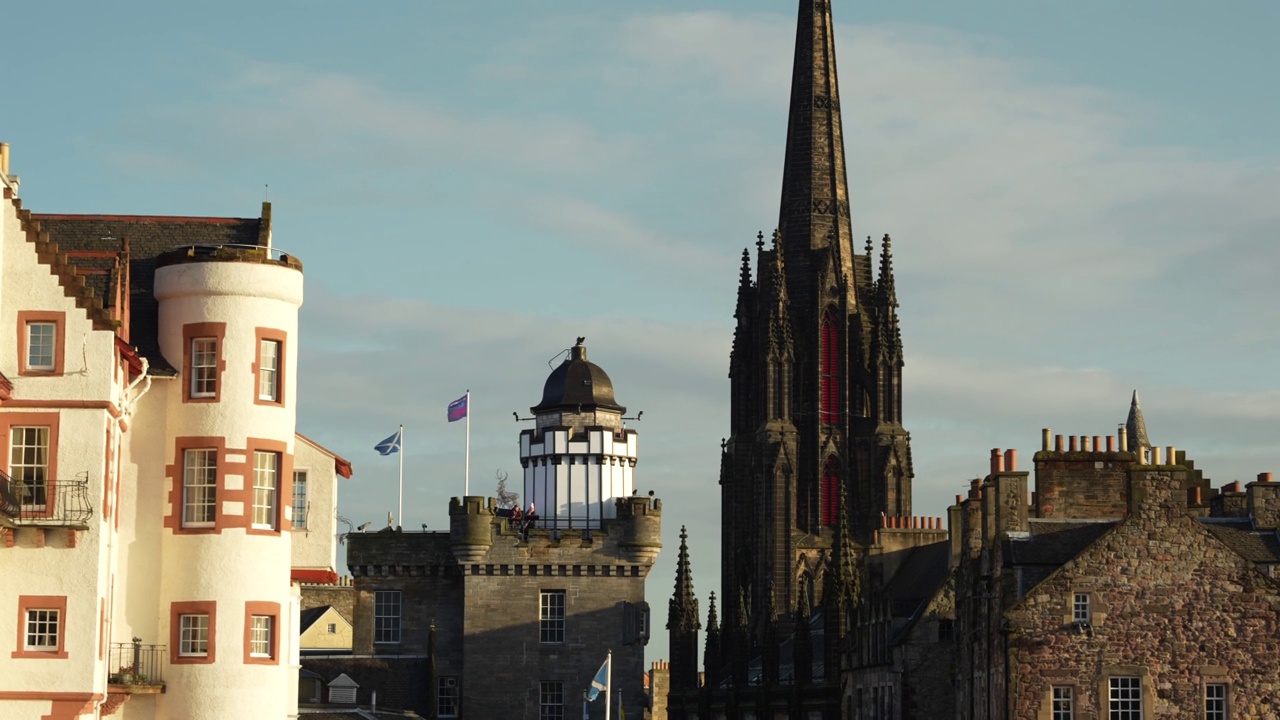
[[153, 489]]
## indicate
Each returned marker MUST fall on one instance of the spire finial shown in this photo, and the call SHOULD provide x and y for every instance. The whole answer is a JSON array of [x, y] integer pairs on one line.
[[713, 621], [885, 284], [760, 240]]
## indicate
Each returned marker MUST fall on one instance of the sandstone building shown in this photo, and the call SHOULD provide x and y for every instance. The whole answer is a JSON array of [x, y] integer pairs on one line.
[[512, 617]]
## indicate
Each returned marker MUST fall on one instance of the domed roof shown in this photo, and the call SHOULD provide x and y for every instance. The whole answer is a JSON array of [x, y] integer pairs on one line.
[[577, 384]]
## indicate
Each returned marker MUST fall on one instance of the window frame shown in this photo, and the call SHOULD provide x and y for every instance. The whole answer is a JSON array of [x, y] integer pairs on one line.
[[193, 630], [200, 332], [256, 612], [1062, 702], [1081, 608], [551, 616], [28, 318], [548, 707], [298, 516], [261, 371], [1122, 704], [266, 497], [386, 624], [28, 604], [452, 700], [43, 488], [204, 367], [207, 609], [1223, 702], [209, 504]]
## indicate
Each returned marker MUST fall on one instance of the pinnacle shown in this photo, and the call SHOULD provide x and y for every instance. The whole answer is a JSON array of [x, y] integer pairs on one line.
[[683, 612], [1136, 425], [713, 621]]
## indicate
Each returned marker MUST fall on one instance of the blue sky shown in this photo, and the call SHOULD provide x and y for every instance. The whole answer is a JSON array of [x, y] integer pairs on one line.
[[1082, 198]]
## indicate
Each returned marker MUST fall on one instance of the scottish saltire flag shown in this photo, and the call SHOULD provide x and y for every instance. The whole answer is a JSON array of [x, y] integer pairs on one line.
[[458, 409], [390, 445], [600, 682]]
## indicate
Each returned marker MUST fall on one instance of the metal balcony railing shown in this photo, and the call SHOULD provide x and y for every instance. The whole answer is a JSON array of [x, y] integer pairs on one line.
[[137, 666], [54, 503]]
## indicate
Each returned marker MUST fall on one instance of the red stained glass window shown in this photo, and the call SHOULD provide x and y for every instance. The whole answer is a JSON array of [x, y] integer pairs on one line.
[[829, 372]]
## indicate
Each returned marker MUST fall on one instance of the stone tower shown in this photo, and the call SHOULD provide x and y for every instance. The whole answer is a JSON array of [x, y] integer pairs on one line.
[[816, 368]]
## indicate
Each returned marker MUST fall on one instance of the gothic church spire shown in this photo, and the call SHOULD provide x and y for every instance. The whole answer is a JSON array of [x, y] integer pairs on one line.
[[815, 190]]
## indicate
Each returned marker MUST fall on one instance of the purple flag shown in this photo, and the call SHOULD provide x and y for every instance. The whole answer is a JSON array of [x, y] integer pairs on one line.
[[458, 409]]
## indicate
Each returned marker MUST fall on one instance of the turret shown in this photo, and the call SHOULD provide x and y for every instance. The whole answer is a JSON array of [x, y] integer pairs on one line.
[[579, 458], [640, 524], [470, 527]]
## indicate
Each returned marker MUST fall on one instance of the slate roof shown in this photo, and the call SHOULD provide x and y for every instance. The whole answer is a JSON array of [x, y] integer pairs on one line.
[[1259, 546], [308, 617], [1051, 543], [918, 578], [147, 238]]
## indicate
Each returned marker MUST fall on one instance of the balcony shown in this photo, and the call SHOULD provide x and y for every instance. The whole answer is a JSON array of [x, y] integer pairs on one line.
[[136, 669], [59, 503]]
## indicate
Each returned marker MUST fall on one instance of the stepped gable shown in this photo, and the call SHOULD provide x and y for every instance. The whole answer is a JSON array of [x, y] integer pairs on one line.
[[90, 243]]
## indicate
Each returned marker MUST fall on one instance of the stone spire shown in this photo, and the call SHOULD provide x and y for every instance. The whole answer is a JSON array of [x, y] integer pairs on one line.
[[1136, 426], [683, 611], [887, 304], [682, 626], [712, 657], [841, 589], [815, 191]]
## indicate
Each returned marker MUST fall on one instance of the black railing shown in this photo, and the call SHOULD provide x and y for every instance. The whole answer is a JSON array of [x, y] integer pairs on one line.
[[9, 505], [58, 503], [133, 663]]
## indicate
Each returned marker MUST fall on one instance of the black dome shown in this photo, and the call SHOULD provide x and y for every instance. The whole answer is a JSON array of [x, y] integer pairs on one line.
[[577, 384]]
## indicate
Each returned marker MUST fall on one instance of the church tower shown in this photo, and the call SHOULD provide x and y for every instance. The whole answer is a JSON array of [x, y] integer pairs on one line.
[[816, 369]]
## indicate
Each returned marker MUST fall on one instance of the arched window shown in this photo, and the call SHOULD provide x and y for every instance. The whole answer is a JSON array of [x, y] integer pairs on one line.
[[829, 370], [830, 493]]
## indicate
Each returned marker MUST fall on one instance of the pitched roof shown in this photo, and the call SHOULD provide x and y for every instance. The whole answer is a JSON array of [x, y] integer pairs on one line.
[[92, 242], [918, 578], [1051, 543], [340, 464], [1259, 546], [308, 617]]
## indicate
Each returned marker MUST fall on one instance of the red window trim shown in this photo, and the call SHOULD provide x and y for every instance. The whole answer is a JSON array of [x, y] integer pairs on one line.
[[192, 607], [193, 331], [279, 336], [50, 420], [41, 602], [244, 495], [284, 484], [272, 610], [829, 371], [59, 320]]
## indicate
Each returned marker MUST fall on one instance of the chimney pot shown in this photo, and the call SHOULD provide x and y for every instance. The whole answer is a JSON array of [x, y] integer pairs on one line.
[[1111, 443], [1011, 460], [1264, 477], [1097, 443], [1071, 443], [1057, 443], [1045, 435]]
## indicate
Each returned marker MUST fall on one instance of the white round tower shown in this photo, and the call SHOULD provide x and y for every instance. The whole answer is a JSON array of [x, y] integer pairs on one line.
[[228, 321], [579, 458]]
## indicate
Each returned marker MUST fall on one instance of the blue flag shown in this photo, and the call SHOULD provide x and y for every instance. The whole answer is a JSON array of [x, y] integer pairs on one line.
[[600, 683], [391, 444], [458, 408]]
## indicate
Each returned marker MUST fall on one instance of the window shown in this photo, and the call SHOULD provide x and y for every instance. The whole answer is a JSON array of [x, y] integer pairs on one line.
[[269, 370], [29, 465], [447, 697], [41, 346], [829, 371], [261, 632], [1080, 608], [386, 616], [41, 628], [1125, 698], [204, 367], [266, 471], [193, 638], [1064, 707], [332, 628], [551, 616], [40, 342], [551, 701], [299, 500], [199, 487], [1215, 701]]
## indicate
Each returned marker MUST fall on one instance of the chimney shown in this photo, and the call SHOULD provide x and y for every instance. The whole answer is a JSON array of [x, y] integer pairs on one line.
[[1264, 502]]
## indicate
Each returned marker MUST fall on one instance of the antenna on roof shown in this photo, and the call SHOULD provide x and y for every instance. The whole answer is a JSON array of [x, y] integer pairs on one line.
[[266, 192]]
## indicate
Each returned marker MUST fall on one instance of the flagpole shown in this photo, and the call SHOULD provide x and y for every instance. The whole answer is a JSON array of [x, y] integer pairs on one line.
[[466, 477], [400, 509], [608, 684]]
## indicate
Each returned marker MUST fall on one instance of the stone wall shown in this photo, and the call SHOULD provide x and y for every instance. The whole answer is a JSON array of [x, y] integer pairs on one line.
[[1172, 605], [1081, 484], [340, 597]]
